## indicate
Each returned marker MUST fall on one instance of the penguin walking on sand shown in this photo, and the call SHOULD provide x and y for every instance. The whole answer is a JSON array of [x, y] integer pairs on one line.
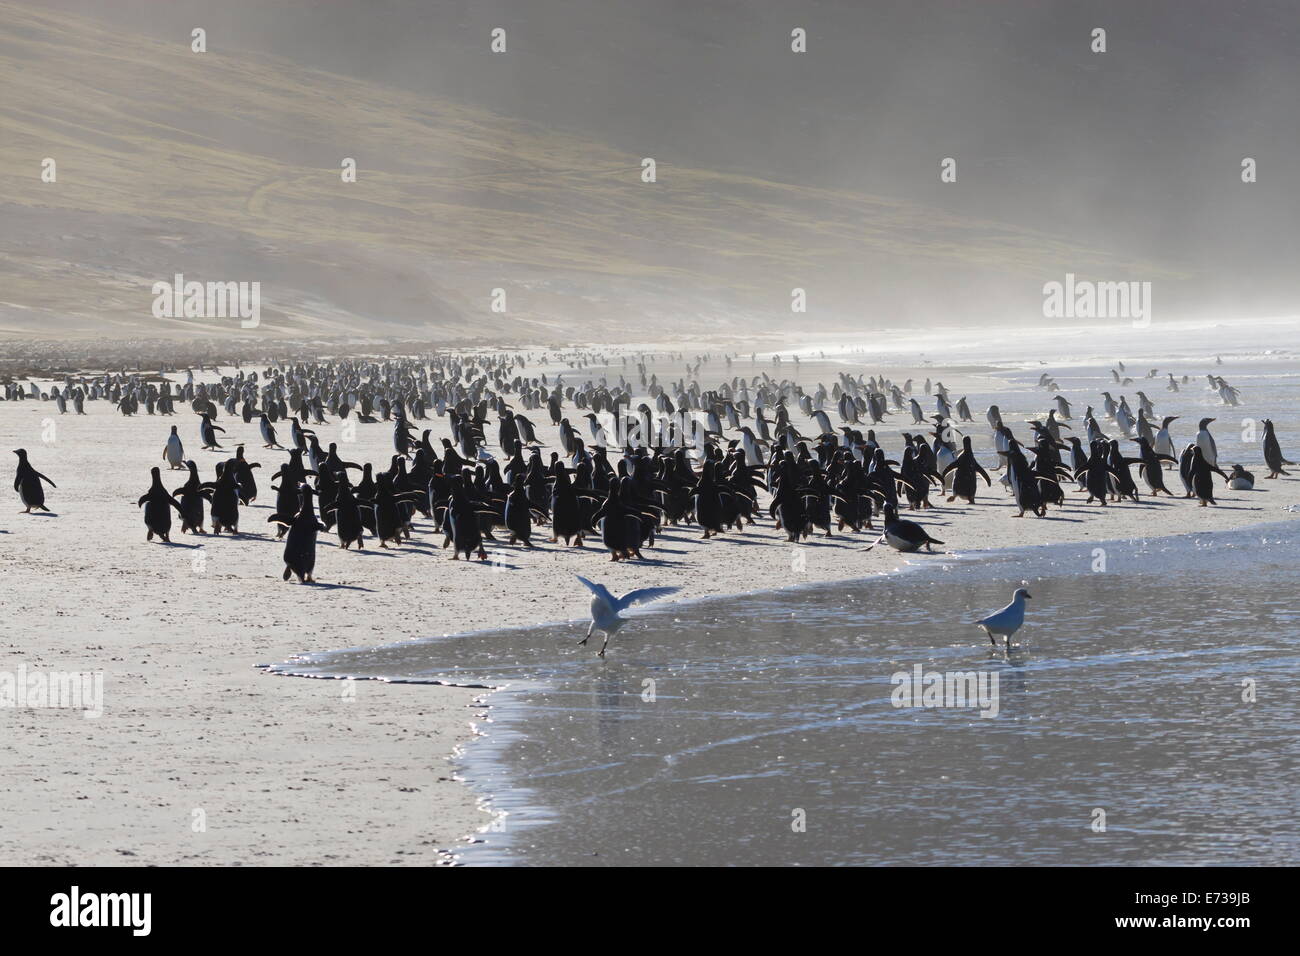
[[27, 482], [225, 500], [345, 513], [174, 451], [268, 432], [1008, 620], [1150, 467], [1205, 442], [966, 469], [1185, 469], [157, 508], [208, 432], [191, 495], [300, 543], [903, 535], [1164, 443], [1273, 452], [606, 608], [1203, 477]]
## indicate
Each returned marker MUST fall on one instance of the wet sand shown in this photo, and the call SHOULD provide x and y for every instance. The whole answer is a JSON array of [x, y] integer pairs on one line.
[[291, 771]]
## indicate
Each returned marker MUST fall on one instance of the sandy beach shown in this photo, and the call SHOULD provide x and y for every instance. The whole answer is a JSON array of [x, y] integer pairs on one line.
[[201, 758]]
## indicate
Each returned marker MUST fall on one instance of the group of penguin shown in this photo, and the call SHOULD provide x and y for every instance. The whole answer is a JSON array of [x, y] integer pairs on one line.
[[642, 465]]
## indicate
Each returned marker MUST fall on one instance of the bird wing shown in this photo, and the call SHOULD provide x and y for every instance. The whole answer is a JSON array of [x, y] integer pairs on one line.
[[998, 617], [643, 596], [599, 590]]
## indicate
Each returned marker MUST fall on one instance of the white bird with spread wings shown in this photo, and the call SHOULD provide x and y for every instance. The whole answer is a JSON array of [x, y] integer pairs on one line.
[[605, 608]]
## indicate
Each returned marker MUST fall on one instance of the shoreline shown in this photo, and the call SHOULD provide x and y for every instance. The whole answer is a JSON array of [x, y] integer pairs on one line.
[[293, 773], [488, 800]]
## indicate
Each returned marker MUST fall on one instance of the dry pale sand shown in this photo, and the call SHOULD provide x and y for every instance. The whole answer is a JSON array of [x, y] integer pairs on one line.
[[292, 771]]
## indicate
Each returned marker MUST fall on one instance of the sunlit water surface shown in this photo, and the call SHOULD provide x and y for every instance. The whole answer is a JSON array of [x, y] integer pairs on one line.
[[715, 728]]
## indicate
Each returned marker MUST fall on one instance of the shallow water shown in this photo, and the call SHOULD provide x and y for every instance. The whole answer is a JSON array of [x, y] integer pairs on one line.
[[1125, 695]]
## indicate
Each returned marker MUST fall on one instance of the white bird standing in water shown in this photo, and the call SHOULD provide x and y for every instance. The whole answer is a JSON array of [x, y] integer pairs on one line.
[[605, 608], [1007, 621]]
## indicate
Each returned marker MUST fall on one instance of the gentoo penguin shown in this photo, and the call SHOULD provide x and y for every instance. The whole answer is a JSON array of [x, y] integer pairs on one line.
[[605, 608], [268, 432], [1008, 620], [1205, 442], [1063, 407], [300, 543], [1273, 452], [903, 535], [1203, 477], [1099, 474], [1150, 468], [345, 512], [225, 499], [174, 451], [27, 482], [157, 508], [208, 432], [1185, 469], [191, 495], [519, 514], [1164, 443], [966, 468], [1241, 479]]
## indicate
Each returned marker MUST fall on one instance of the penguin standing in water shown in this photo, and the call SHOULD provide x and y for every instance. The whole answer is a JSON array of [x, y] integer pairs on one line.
[[1203, 477], [157, 508], [300, 544], [1273, 452], [27, 482], [174, 451], [903, 535]]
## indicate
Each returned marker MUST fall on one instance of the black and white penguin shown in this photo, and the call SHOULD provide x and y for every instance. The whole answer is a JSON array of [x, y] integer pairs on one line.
[[966, 469], [157, 508], [903, 535], [27, 482], [300, 543], [1205, 442], [1241, 479], [1203, 477], [174, 451], [191, 495], [208, 432], [1273, 452], [345, 513], [1150, 467]]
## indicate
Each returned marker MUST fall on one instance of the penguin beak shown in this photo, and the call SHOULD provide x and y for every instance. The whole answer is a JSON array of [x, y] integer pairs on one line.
[[1028, 595]]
